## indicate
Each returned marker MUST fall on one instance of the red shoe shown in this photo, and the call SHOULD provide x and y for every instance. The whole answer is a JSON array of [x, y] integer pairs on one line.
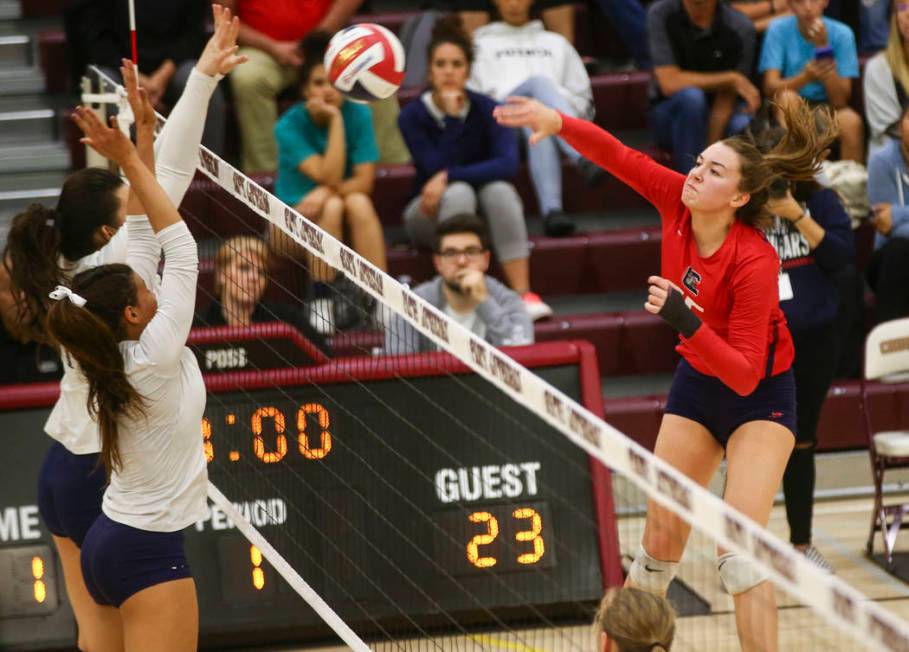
[[535, 306]]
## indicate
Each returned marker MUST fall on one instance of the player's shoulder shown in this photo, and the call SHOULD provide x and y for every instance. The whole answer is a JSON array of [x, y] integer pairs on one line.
[[754, 249]]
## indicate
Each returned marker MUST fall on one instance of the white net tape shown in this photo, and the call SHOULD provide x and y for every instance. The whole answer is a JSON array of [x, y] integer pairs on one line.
[[831, 597]]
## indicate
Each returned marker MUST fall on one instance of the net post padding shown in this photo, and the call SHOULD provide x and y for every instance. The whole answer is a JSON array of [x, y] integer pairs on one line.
[[287, 571], [835, 600]]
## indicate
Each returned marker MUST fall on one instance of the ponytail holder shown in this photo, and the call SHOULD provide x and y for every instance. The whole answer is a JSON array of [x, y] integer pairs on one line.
[[61, 292]]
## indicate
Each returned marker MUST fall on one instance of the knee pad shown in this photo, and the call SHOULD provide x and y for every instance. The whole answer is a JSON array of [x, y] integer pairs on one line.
[[738, 574], [651, 574]]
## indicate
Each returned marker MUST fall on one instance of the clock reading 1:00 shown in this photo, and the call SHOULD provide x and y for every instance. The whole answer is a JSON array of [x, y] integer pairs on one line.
[[268, 434], [498, 538]]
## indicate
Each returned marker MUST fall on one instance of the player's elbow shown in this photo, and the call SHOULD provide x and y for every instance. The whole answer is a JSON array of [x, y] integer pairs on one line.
[[745, 385]]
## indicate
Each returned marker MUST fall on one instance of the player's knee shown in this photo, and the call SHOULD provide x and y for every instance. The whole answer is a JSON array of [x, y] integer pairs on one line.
[[849, 120], [739, 574], [651, 574]]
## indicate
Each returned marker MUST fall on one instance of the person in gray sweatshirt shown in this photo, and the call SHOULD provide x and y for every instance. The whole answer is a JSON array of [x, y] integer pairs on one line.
[[464, 292], [888, 193]]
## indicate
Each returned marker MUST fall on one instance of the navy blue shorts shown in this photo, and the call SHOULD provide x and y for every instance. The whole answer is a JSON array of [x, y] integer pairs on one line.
[[710, 402], [118, 561], [70, 489]]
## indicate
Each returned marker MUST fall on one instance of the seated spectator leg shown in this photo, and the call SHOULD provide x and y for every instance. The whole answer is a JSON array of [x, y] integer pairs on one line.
[[365, 229], [331, 220], [543, 89], [256, 85], [889, 276], [874, 25], [559, 18], [459, 197], [680, 124], [852, 135], [500, 206], [213, 135], [545, 172], [388, 137], [629, 20]]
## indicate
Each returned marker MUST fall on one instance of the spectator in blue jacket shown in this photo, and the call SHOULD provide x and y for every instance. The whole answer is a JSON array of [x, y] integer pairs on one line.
[[465, 161], [812, 234], [888, 192], [813, 56]]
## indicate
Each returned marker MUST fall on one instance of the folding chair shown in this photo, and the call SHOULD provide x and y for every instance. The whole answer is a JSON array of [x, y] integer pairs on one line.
[[886, 361]]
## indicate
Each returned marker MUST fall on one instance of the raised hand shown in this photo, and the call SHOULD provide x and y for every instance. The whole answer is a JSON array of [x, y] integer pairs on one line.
[[525, 112], [109, 142], [138, 97], [220, 53]]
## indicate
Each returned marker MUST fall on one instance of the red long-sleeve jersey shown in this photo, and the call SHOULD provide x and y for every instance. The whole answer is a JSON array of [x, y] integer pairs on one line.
[[734, 291]]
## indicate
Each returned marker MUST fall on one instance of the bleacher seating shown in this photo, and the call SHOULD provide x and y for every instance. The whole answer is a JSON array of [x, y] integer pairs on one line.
[[628, 343]]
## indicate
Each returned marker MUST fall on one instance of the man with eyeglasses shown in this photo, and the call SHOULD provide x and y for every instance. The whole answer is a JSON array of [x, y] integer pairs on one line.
[[464, 292]]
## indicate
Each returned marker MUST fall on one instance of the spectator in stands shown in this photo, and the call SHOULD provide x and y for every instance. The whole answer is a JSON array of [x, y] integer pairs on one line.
[[516, 56], [270, 34], [631, 620], [629, 20], [171, 33], [873, 25], [812, 233], [241, 278], [702, 56], [814, 56], [327, 153], [888, 191], [464, 292], [557, 15], [761, 12], [464, 158], [886, 82]]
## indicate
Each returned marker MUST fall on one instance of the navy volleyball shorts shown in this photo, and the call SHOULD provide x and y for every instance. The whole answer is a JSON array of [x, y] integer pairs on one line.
[[118, 560], [707, 400], [70, 489]]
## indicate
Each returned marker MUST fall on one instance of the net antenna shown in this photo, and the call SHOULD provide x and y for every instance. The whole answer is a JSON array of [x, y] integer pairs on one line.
[[836, 601]]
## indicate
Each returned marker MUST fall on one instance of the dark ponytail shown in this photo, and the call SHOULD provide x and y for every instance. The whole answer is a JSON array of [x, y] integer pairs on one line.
[[39, 236], [797, 156], [31, 257], [91, 334]]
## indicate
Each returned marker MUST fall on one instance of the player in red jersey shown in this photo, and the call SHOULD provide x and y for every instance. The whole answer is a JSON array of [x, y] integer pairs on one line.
[[733, 391]]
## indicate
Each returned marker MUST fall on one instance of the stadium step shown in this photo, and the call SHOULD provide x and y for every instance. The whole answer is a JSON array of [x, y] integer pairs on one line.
[[21, 81], [10, 9], [18, 190], [15, 52], [28, 126], [34, 158]]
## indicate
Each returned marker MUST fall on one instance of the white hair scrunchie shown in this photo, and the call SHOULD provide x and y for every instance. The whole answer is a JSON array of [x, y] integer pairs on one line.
[[62, 292]]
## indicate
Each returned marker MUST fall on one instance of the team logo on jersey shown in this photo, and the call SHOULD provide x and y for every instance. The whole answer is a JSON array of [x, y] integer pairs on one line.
[[691, 280]]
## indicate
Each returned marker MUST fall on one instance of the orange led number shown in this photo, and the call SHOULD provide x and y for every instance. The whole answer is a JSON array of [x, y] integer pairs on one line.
[[39, 588], [324, 437], [280, 451], [532, 535], [473, 548], [207, 446], [258, 575]]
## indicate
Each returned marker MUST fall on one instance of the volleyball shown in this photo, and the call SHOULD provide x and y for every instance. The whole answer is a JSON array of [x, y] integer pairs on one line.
[[365, 62]]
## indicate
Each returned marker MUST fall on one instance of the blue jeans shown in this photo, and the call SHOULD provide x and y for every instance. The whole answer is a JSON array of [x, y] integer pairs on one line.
[[874, 25], [629, 20], [543, 158], [680, 125]]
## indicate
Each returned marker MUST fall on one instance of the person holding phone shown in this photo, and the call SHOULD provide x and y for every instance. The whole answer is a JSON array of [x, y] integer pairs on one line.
[[815, 57]]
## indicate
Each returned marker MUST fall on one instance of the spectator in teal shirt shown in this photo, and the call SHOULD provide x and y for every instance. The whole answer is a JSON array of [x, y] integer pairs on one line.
[[814, 56], [326, 161]]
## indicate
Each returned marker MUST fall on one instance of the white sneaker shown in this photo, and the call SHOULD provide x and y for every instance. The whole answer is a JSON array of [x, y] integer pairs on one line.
[[535, 306], [814, 555]]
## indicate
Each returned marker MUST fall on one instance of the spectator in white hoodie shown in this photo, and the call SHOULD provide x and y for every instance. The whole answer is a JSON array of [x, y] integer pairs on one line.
[[517, 56]]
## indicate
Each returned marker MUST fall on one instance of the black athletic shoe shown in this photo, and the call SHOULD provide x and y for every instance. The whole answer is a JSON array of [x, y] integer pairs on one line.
[[557, 225]]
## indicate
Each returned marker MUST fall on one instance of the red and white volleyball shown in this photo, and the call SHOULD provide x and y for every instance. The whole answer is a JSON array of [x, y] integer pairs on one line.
[[365, 62]]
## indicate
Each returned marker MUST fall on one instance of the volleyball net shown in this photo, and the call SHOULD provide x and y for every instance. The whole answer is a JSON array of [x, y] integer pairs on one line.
[[418, 488]]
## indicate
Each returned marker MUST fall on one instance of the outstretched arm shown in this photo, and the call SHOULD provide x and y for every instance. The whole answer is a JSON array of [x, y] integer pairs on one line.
[[661, 186]]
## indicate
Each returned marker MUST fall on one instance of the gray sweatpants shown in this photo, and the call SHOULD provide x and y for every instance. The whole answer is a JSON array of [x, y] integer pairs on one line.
[[499, 204]]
